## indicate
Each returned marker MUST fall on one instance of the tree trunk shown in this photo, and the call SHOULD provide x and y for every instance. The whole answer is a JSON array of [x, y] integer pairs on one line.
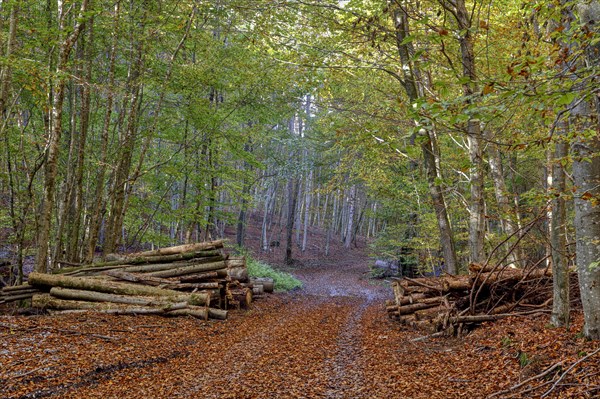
[[293, 184], [558, 235], [98, 205], [504, 208], [439, 203], [307, 204], [586, 174], [430, 156], [477, 206], [51, 170], [349, 224]]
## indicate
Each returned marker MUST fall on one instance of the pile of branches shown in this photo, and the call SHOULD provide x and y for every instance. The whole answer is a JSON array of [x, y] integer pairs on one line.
[[449, 304], [197, 280]]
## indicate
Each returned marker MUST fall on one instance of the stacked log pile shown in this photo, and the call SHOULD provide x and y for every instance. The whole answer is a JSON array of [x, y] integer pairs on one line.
[[17, 293], [197, 280], [451, 303]]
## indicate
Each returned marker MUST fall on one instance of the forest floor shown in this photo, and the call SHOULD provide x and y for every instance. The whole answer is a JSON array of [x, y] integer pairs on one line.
[[331, 339]]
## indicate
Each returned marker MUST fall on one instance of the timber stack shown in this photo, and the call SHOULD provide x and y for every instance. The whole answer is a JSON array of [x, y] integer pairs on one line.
[[451, 303], [197, 280]]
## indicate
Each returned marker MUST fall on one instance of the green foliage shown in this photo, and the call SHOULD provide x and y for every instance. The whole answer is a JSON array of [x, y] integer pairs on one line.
[[524, 359], [283, 281]]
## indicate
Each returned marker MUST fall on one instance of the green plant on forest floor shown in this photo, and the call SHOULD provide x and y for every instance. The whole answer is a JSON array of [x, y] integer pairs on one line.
[[283, 281]]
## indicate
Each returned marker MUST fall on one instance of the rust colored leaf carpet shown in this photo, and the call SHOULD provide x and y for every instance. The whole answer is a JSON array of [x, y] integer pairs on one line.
[[330, 340]]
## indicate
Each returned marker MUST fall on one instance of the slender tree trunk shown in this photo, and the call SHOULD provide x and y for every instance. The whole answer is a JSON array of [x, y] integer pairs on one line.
[[463, 17], [410, 75], [298, 211], [53, 148], [307, 207], [293, 189], [504, 207], [558, 235], [477, 205], [350, 216]]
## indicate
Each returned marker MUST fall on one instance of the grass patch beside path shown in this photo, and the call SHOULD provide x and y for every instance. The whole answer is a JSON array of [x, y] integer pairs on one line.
[[283, 281]]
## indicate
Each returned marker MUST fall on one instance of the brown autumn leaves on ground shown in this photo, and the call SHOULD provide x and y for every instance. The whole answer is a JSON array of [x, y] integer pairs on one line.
[[331, 339]]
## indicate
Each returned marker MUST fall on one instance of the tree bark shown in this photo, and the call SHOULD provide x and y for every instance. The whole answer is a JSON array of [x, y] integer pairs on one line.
[[93, 296], [53, 145], [558, 235], [179, 249], [111, 287], [293, 184], [98, 205], [477, 205], [410, 74], [45, 301], [191, 269], [586, 174], [350, 216], [515, 257]]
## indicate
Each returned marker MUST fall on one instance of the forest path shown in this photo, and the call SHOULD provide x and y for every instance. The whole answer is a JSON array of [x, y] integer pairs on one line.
[[332, 339], [303, 344]]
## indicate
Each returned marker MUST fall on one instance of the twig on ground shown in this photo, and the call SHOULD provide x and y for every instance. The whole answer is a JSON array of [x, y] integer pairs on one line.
[[563, 375], [527, 381], [423, 338]]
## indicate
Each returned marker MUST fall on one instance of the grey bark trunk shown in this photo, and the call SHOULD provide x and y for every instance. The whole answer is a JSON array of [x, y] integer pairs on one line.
[[350, 216], [51, 169], [307, 204], [476, 206], [291, 213], [558, 237], [586, 174], [410, 73], [502, 199]]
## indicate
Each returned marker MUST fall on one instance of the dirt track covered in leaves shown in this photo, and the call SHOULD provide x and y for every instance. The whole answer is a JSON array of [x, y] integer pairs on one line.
[[331, 339]]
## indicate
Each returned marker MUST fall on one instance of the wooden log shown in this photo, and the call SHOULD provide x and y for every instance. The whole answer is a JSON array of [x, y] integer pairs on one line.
[[195, 247], [439, 284], [267, 283], [138, 278], [197, 277], [21, 287], [512, 275], [475, 268], [217, 314], [199, 313], [112, 287], [192, 269], [132, 261], [18, 297], [257, 290], [93, 296], [169, 266], [235, 261], [413, 298], [399, 291], [46, 301], [22, 291], [238, 273], [408, 309], [161, 282], [240, 297]]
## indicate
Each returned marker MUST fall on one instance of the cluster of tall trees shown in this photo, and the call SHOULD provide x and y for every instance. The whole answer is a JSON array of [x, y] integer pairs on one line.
[[452, 131]]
